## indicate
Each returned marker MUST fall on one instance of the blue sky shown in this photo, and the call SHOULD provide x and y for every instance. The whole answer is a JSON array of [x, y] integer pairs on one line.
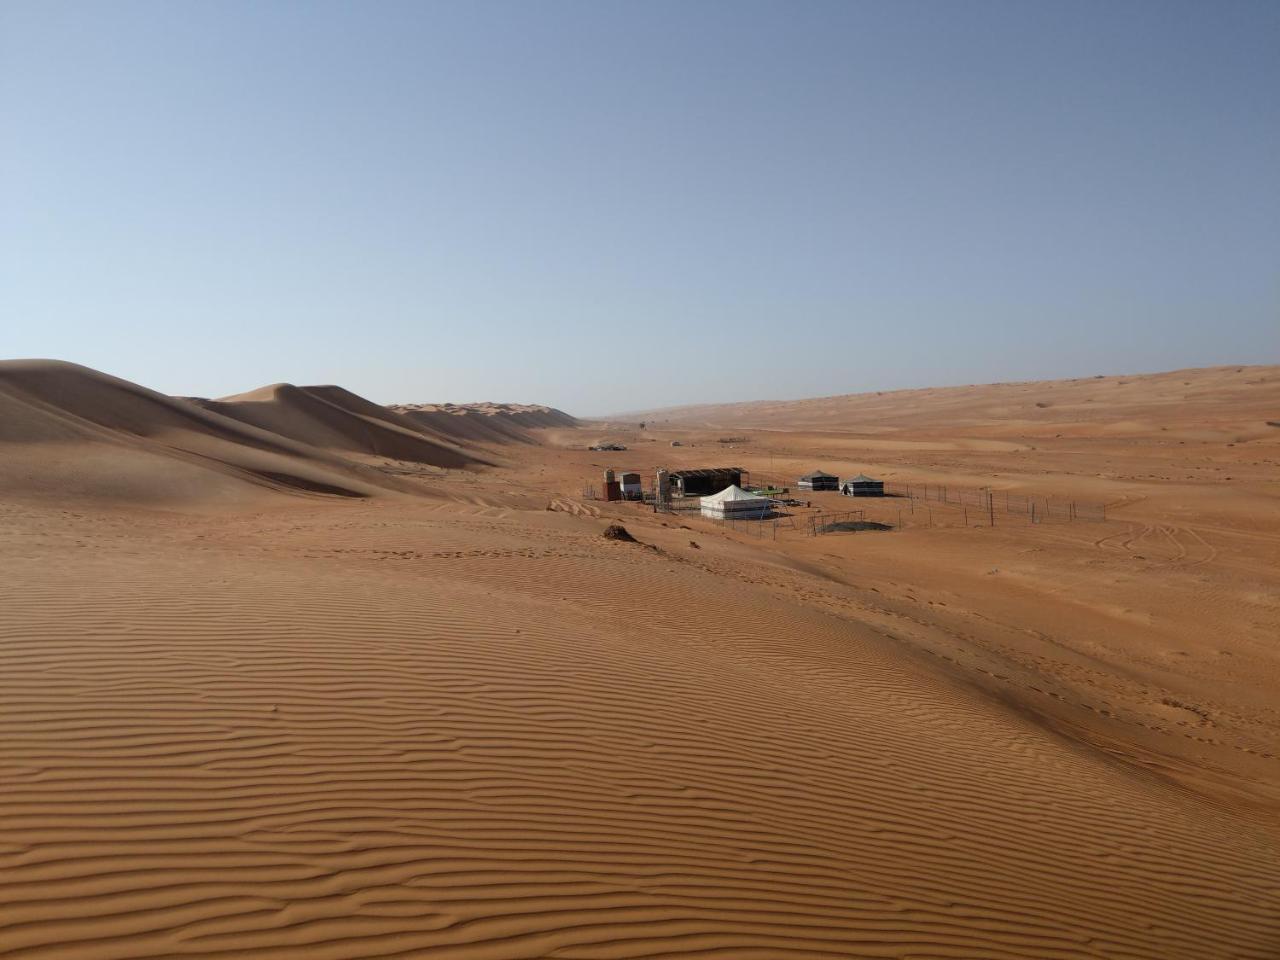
[[610, 206]]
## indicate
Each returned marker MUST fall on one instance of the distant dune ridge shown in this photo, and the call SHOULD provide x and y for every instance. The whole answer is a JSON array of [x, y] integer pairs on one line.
[[1228, 398], [483, 422], [332, 418], [75, 431]]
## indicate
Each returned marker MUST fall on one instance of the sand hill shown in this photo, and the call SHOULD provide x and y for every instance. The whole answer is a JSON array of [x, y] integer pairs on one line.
[[70, 430], [332, 418], [1208, 403], [465, 724], [484, 422]]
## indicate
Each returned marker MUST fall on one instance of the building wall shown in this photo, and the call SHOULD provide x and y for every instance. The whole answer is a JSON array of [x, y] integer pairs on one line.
[[706, 485]]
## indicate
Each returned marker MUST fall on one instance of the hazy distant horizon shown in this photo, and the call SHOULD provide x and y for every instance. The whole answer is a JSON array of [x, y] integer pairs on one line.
[[642, 410], [628, 207], [920, 386]]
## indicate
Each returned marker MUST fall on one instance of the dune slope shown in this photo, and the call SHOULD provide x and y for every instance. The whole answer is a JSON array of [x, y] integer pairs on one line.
[[401, 732], [484, 422], [1218, 401], [332, 418], [68, 430]]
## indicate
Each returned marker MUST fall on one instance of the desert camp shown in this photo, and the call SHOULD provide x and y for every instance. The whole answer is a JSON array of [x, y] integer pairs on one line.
[[639, 481]]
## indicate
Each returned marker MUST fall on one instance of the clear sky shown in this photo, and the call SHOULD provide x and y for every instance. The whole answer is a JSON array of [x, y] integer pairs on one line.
[[609, 206]]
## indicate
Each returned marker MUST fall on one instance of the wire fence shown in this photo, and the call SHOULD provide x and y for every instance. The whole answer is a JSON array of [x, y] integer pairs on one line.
[[845, 521], [1035, 509], [762, 528]]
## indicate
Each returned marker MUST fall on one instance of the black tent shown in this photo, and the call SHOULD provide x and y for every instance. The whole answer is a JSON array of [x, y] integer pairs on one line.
[[863, 486], [819, 480]]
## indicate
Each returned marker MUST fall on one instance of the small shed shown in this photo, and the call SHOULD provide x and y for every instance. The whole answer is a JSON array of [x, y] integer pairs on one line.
[[734, 503], [629, 481], [863, 486], [819, 480]]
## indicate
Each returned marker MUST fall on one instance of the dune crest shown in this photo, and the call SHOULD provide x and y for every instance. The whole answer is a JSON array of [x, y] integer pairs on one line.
[[1202, 403], [484, 422], [69, 430], [332, 418]]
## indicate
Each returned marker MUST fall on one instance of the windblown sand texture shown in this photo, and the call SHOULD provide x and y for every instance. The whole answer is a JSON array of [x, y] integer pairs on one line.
[[410, 702]]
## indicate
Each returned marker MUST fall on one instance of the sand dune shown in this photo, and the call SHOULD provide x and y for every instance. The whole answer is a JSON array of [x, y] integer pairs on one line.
[[332, 418], [484, 422], [70, 430], [455, 738], [1211, 402], [79, 432], [465, 725]]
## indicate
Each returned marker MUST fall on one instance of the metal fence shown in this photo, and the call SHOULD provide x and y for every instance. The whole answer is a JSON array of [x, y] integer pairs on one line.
[[993, 502], [844, 521], [763, 528]]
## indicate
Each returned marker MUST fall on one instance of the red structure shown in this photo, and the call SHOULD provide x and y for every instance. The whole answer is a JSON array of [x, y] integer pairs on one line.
[[612, 488]]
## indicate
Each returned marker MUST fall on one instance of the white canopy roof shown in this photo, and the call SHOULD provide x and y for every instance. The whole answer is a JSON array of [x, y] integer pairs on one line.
[[734, 492]]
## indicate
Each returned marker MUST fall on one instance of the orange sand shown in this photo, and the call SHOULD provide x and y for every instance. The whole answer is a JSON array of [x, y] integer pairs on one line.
[[278, 680]]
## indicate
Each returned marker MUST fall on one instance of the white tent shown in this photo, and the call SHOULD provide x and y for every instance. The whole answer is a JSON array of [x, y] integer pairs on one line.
[[734, 502]]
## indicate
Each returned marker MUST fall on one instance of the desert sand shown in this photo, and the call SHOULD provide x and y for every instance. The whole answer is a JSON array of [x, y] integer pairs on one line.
[[290, 674]]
